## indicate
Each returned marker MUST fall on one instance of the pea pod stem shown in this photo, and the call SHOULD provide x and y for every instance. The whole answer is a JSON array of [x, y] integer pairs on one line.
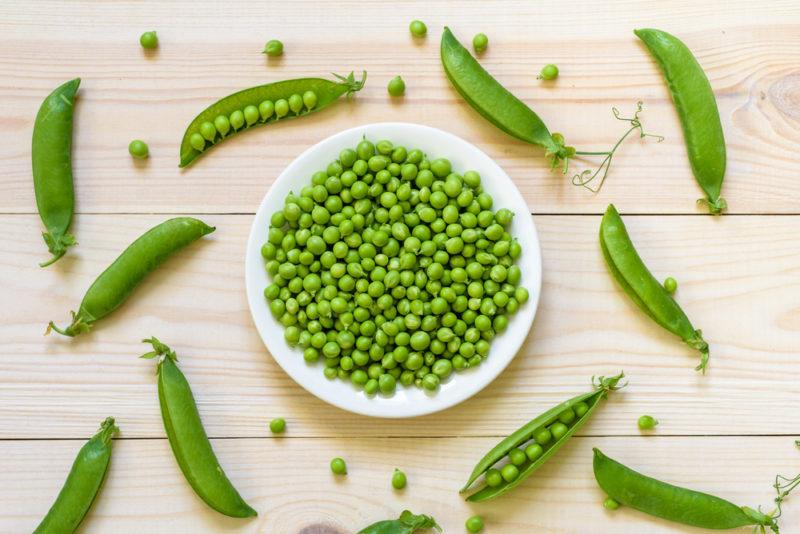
[[631, 273], [83, 483], [683, 505], [187, 437], [602, 386]]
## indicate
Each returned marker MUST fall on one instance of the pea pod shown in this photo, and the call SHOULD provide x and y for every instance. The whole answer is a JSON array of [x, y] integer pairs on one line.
[[682, 505], [118, 281], [188, 438], [51, 157], [407, 523], [82, 485], [697, 108], [632, 274], [260, 105], [507, 112], [564, 414]]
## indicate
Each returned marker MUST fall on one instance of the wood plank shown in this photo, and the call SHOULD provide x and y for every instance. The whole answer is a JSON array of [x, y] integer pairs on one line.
[[749, 54], [738, 281], [290, 484]]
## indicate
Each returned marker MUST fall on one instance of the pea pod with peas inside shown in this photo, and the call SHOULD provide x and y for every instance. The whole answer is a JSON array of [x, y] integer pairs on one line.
[[534, 443], [117, 282], [188, 440], [641, 286], [51, 158], [82, 485], [683, 505], [259, 105], [507, 112], [697, 108], [407, 523]]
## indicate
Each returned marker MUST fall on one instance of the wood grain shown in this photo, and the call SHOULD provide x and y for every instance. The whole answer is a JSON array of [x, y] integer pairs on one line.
[[288, 481], [738, 281], [739, 276]]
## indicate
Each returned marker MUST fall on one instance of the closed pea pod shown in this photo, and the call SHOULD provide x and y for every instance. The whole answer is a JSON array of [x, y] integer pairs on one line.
[[188, 439], [500, 107], [285, 94], [407, 523], [682, 505], [83, 483], [697, 108], [118, 281], [51, 158], [632, 274], [541, 444]]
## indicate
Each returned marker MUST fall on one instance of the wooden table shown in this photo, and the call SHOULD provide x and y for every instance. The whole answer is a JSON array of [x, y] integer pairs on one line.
[[728, 432]]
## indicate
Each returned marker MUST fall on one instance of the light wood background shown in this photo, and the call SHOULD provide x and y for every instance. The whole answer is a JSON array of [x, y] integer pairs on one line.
[[728, 432]]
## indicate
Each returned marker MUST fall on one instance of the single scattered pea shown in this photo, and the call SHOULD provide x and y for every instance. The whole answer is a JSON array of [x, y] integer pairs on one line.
[[138, 149], [417, 28], [670, 284], [610, 504], [396, 86], [278, 425], [149, 40], [549, 72], [398, 479], [647, 422], [273, 48], [474, 524], [338, 466], [480, 42]]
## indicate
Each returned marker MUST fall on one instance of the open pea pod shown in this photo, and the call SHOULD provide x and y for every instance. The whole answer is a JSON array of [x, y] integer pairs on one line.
[[407, 523], [262, 104], [628, 269], [588, 402]]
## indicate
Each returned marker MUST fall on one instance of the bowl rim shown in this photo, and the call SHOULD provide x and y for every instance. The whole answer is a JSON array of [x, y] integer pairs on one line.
[[291, 361]]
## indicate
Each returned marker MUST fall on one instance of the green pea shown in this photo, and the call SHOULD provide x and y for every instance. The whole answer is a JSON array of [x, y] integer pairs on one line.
[[493, 478], [567, 416], [549, 72], [296, 103], [197, 142], [138, 149], [149, 40], [580, 409], [396, 87], [647, 422], [277, 426], [533, 451], [430, 381], [208, 131], [273, 48], [398, 479], [417, 28], [480, 42], [517, 456], [558, 430], [237, 119], [509, 472], [671, 285], [387, 383], [281, 108], [222, 124], [266, 109], [371, 387], [474, 524], [310, 101], [610, 504], [338, 467], [542, 436], [251, 115]]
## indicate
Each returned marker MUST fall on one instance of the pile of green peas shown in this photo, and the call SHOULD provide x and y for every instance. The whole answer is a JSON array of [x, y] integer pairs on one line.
[[392, 268], [540, 440], [210, 132]]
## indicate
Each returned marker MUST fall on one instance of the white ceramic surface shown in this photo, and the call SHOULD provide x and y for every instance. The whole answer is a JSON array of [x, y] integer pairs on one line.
[[411, 401]]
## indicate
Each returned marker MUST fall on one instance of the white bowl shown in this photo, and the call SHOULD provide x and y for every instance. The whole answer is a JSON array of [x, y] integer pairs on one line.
[[411, 401]]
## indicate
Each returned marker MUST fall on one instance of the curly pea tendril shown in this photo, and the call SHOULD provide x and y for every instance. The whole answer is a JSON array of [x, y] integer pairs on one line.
[[783, 486], [593, 180]]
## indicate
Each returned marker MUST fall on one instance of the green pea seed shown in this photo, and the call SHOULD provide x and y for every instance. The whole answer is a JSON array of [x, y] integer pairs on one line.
[[296, 103], [542, 436], [493, 478], [558, 430], [222, 124], [417, 28], [580, 409], [273, 48], [533, 451], [517, 456], [396, 87], [549, 72], [149, 40], [338, 466], [398, 479], [310, 101], [281, 108], [266, 109], [277, 426], [251, 114], [208, 131], [647, 422], [197, 142], [610, 504], [237, 119], [474, 524], [671, 285], [480, 42], [138, 149], [509, 472]]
